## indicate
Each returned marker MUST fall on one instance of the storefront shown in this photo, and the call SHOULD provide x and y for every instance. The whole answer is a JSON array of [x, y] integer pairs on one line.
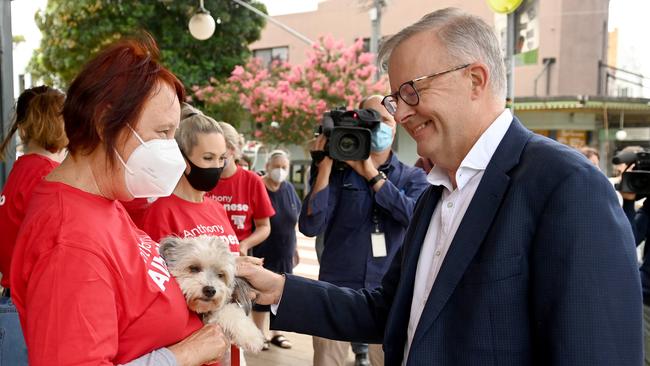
[[592, 121]]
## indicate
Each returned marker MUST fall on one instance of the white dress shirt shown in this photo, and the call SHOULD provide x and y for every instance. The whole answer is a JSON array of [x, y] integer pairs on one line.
[[449, 213]]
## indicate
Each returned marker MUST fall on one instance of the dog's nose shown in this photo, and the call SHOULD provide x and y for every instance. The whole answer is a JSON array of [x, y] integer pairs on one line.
[[209, 291]]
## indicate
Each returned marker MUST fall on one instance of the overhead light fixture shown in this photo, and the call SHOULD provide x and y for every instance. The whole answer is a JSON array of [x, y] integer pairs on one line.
[[202, 24]]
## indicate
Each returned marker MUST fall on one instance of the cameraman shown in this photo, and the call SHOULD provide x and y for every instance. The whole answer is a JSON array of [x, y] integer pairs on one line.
[[640, 221], [363, 213]]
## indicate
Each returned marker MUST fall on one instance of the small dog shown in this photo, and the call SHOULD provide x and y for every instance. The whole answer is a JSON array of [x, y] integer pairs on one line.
[[205, 271]]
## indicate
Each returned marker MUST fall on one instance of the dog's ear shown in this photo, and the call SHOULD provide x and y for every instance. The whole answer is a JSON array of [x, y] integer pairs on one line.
[[169, 247], [217, 241], [241, 293]]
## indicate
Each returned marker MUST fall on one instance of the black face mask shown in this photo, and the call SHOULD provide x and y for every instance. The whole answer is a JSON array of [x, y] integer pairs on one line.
[[202, 179]]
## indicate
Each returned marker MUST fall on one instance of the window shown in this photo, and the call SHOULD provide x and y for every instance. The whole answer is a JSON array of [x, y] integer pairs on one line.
[[623, 92], [268, 55], [366, 43]]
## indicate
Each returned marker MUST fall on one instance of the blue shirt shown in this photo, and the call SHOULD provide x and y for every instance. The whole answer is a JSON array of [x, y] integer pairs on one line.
[[344, 212], [640, 221], [277, 250]]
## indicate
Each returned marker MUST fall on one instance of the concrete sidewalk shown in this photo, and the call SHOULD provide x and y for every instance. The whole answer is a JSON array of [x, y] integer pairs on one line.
[[301, 354]]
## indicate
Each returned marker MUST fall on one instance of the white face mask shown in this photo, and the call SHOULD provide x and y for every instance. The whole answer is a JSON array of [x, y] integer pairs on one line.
[[279, 175], [154, 168]]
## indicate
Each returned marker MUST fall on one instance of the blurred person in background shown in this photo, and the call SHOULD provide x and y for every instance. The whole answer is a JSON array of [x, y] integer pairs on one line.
[[617, 169], [245, 162], [39, 123], [90, 287], [615, 179], [591, 154], [640, 221], [637, 209], [424, 164], [243, 195], [279, 248]]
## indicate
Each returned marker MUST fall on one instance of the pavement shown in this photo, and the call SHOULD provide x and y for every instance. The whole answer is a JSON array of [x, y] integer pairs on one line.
[[301, 354]]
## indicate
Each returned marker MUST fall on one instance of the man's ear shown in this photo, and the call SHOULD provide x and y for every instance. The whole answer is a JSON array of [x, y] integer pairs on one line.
[[480, 76]]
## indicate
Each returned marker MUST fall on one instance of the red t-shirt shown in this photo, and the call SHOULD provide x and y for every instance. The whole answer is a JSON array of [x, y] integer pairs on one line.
[[175, 216], [136, 209], [245, 198], [90, 287], [27, 171]]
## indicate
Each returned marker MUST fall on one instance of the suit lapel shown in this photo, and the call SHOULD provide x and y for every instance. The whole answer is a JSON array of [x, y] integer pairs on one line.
[[398, 319], [475, 224]]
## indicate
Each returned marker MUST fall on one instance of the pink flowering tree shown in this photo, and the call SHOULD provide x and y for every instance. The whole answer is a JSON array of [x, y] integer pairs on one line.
[[286, 101], [220, 101]]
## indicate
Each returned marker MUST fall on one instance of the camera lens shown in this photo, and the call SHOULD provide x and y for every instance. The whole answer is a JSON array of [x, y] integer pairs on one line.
[[349, 143], [640, 182]]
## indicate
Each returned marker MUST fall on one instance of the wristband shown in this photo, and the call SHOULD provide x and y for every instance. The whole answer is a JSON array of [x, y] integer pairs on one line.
[[376, 178]]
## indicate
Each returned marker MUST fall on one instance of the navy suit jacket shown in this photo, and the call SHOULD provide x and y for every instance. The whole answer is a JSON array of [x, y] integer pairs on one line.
[[542, 271]]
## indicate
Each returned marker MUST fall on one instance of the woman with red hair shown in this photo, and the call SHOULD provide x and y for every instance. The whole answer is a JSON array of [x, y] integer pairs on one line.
[[90, 287]]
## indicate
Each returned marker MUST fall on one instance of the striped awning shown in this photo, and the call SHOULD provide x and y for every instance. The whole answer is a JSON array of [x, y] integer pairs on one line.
[[641, 105]]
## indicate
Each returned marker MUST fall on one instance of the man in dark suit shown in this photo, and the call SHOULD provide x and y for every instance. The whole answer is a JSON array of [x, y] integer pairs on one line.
[[518, 254]]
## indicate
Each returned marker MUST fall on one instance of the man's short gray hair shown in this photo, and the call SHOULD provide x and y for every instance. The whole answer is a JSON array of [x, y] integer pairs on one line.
[[467, 38]]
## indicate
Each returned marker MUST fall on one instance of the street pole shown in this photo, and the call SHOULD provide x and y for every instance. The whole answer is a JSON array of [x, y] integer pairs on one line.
[[375, 23], [6, 89], [508, 7], [510, 60]]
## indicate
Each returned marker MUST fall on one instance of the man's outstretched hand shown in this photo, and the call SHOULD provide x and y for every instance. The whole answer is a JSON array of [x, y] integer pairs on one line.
[[269, 285]]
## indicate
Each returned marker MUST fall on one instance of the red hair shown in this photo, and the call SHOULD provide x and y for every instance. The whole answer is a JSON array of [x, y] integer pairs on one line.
[[111, 91]]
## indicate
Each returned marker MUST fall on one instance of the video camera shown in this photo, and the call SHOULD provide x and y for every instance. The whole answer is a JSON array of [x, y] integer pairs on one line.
[[349, 132], [636, 180]]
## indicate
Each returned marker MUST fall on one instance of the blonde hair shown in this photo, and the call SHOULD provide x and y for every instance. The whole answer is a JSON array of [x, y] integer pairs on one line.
[[233, 138], [193, 123]]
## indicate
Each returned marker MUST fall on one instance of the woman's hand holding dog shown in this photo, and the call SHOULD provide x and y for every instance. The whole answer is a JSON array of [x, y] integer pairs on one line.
[[206, 345], [268, 284]]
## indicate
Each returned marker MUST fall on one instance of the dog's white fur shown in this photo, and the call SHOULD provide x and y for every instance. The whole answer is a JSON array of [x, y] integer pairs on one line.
[[202, 266]]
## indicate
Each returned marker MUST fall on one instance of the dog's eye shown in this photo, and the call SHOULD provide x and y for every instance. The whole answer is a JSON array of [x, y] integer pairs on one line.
[[194, 269], [221, 275]]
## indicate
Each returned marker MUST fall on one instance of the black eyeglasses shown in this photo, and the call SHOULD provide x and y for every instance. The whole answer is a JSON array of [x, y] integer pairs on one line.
[[408, 93]]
